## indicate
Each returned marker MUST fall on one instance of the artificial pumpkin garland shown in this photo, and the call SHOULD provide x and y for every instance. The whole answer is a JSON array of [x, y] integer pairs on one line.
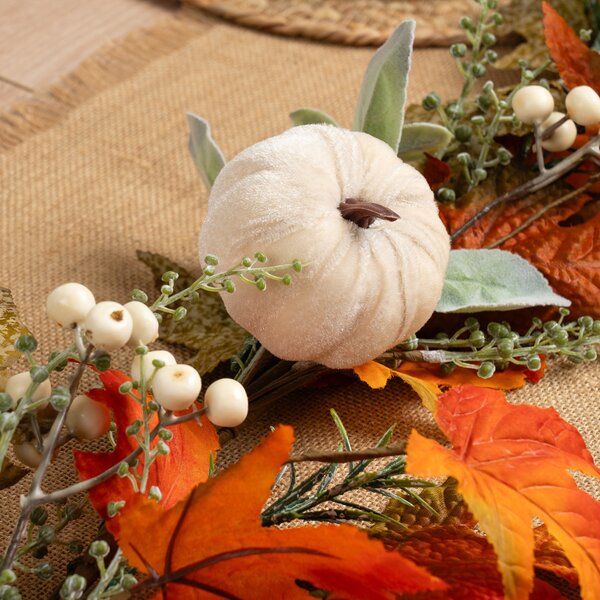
[[364, 222]]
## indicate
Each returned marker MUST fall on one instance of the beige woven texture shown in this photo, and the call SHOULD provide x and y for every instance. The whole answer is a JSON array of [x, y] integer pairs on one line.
[[99, 168], [352, 22]]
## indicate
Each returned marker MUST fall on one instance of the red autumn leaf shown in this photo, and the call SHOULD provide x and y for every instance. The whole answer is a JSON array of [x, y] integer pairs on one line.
[[436, 171], [569, 256], [465, 560], [576, 63], [175, 474], [213, 543], [512, 464]]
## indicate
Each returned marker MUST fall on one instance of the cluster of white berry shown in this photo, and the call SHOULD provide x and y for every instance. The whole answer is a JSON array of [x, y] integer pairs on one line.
[[109, 326], [534, 105]]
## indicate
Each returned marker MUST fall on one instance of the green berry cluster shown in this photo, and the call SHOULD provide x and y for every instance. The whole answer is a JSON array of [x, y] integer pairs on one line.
[[475, 120], [497, 346]]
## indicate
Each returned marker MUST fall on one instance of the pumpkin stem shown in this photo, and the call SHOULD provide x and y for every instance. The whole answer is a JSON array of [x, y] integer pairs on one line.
[[365, 213]]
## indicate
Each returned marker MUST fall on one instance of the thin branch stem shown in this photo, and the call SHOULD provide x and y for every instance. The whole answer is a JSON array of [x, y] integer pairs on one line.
[[346, 457], [565, 198], [533, 185]]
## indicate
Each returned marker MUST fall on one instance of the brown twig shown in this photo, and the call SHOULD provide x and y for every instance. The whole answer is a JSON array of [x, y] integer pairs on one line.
[[565, 198], [346, 457]]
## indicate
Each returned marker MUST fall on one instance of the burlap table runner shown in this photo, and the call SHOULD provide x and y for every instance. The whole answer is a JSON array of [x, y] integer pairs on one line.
[[99, 168]]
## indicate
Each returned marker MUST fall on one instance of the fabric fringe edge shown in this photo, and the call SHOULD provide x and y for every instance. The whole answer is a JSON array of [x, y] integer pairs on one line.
[[117, 61]]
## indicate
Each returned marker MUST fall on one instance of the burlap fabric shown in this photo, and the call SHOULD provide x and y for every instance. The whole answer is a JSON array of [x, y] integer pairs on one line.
[[352, 22], [99, 168]]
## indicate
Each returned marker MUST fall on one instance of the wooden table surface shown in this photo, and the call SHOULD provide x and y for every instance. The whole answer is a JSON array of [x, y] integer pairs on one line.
[[42, 40]]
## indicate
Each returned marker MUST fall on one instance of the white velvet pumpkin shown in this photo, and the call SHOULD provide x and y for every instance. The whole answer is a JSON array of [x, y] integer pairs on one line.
[[363, 290]]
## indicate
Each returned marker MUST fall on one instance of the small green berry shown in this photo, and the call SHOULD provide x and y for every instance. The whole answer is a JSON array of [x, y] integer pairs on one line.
[[72, 512], [564, 312], [505, 348], [123, 469], [101, 360], [458, 50], [483, 102], [246, 261], [99, 549], [488, 39], [590, 354], [447, 368], [5, 402], [44, 571], [128, 581], [134, 428], [491, 56], [297, 265], [478, 70], [260, 257], [431, 101], [125, 388], [586, 322], [534, 363], [46, 534], [477, 339], [497, 19], [211, 259], [560, 337], [139, 295], [7, 576], [596, 327], [73, 587], [478, 119], [463, 133], [165, 434], [472, 323], [261, 283], [166, 290], [286, 280], [486, 370], [26, 344], [155, 493], [466, 23], [229, 286], [113, 508], [162, 448], [479, 175], [454, 110], [445, 194], [170, 276], [39, 374], [464, 159], [504, 156], [38, 516], [180, 313], [209, 270]]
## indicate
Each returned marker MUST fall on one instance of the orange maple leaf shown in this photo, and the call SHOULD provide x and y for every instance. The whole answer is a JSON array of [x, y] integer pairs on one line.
[[511, 463], [175, 474], [213, 544], [427, 381], [465, 560], [576, 63]]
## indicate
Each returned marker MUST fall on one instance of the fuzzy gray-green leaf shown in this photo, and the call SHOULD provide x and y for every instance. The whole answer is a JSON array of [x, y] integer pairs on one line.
[[311, 116], [207, 155], [380, 110], [481, 280], [207, 328], [418, 138]]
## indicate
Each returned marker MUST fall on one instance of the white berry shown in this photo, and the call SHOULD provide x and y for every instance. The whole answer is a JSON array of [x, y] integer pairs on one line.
[[108, 325], [17, 385], [69, 304], [583, 105], [226, 403], [163, 355], [145, 324], [176, 387], [87, 419], [532, 104], [28, 454], [563, 137]]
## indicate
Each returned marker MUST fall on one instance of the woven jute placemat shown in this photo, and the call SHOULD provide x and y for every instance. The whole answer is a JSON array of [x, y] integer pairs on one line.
[[98, 167], [352, 22]]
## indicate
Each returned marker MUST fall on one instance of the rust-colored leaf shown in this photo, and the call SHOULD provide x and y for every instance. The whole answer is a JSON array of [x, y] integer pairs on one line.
[[436, 171], [213, 543], [512, 465], [175, 474], [576, 63], [465, 560]]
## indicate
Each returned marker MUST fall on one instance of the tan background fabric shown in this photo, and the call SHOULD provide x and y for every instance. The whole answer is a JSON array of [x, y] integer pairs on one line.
[[101, 169]]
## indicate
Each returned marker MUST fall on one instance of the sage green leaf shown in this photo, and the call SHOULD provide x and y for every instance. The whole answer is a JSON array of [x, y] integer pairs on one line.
[[208, 158], [11, 474], [380, 110], [311, 116], [418, 138], [207, 328], [481, 280], [10, 329]]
